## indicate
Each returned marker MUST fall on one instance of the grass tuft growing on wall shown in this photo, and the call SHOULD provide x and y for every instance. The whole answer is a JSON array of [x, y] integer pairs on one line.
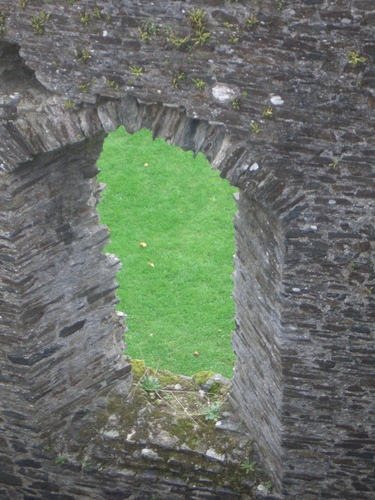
[[171, 224]]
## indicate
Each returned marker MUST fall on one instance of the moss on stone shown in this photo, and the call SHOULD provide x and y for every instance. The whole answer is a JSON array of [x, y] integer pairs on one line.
[[138, 368], [202, 377], [218, 389], [168, 378]]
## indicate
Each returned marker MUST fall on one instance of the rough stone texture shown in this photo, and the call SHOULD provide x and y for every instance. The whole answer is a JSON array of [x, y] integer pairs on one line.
[[304, 279]]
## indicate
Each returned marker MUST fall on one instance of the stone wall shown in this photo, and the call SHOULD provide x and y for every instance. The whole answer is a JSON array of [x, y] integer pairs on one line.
[[286, 114]]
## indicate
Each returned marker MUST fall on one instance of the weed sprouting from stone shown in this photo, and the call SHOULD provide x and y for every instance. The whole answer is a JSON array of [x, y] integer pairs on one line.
[[252, 22], [235, 104], [147, 30], [38, 23], [355, 59], [97, 13], [83, 55], [201, 37], [255, 127], [197, 20], [149, 383], [280, 4], [248, 466], [212, 412], [113, 85], [177, 78], [68, 105], [85, 18], [334, 163], [199, 83], [2, 23], [234, 38], [84, 87], [268, 112], [178, 41], [136, 70]]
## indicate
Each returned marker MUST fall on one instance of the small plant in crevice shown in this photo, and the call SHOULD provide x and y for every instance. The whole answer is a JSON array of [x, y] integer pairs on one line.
[[248, 466], [136, 70], [267, 112], [23, 4], [150, 383], [178, 41], [177, 78], [251, 22], [212, 412], [83, 55], [234, 37], [334, 163], [2, 23], [201, 37], [38, 23], [85, 18], [145, 36], [113, 85], [255, 127], [268, 485], [199, 83], [197, 21], [147, 30], [352, 265], [68, 105], [60, 460], [355, 59], [280, 4], [84, 87], [97, 13], [235, 104], [166, 31]]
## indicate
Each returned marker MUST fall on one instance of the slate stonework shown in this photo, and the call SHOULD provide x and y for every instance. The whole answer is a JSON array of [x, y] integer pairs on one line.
[[304, 264]]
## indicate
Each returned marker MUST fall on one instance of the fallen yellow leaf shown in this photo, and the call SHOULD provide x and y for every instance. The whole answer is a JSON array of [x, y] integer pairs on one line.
[[143, 244], [196, 353], [150, 264], [145, 164]]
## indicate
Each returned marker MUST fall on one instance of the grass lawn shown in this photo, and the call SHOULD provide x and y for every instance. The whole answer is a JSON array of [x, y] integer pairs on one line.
[[171, 224]]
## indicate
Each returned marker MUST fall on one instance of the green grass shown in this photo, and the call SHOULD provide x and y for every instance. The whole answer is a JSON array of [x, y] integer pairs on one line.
[[177, 290]]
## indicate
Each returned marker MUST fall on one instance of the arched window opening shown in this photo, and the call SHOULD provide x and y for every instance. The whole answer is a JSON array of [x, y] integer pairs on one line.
[[170, 218]]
